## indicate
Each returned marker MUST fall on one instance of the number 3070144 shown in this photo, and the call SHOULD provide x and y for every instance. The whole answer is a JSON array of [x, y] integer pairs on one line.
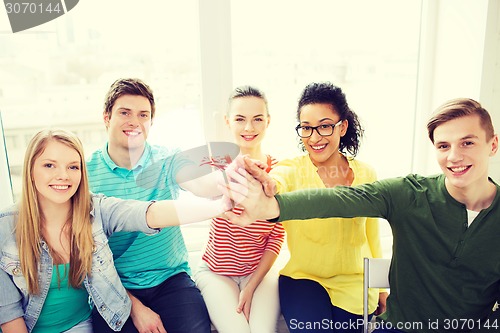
[[32, 8]]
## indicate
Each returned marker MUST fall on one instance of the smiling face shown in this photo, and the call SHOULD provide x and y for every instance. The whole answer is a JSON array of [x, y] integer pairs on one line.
[[248, 120], [322, 149], [463, 151], [56, 174], [129, 122]]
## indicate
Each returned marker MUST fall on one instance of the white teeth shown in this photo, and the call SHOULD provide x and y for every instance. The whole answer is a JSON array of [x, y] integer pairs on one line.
[[60, 187], [318, 147], [132, 133], [458, 169]]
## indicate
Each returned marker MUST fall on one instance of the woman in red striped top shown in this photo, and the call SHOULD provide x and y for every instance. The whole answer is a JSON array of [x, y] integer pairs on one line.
[[233, 276]]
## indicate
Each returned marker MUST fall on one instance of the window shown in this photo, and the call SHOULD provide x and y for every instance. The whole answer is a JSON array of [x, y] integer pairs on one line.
[[11, 141], [361, 46], [56, 75], [6, 196]]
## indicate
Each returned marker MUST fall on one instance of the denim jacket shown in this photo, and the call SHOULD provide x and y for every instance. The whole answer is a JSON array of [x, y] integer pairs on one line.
[[104, 287]]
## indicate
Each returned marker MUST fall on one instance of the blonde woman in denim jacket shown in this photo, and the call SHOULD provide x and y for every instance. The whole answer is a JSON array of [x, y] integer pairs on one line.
[[53, 243]]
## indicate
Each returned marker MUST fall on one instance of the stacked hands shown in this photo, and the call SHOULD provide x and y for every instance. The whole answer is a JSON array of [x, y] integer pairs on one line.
[[251, 189]]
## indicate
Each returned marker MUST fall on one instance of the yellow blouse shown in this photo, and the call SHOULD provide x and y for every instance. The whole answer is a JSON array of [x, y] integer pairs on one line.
[[329, 251]]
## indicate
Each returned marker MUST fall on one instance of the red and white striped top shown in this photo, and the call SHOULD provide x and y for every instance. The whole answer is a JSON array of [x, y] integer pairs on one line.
[[236, 251]]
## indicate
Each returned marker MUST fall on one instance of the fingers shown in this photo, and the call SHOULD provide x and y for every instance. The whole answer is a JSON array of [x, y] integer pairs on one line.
[[246, 311], [261, 165], [234, 192], [253, 168], [240, 161], [241, 220], [245, 191], [227, 202], [240, 176], [156, 327], [253, 173], [161, 329], [246, 187], [240, 307], [244, 307], [270, 188], [237, 163], [380, 309], [268, 183]]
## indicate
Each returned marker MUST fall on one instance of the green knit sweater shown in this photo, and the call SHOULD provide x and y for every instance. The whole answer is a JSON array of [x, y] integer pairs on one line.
[[444, 274]]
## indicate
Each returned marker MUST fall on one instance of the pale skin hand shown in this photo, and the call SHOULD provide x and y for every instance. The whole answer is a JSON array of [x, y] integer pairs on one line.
[[246, 294], [15, 326], [145, 320], [245, 301], [249, 194], [257, 170], [206, 186]]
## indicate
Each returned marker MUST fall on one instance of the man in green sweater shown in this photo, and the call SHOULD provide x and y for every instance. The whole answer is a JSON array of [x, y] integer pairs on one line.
[[445, 271]]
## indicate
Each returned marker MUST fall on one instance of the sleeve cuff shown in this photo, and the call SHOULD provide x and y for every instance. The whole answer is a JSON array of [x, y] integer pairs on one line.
[[10, 312], [279, 200]]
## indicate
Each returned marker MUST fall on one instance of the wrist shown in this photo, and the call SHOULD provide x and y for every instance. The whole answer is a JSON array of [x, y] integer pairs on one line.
[[274, 210], [222, 205]]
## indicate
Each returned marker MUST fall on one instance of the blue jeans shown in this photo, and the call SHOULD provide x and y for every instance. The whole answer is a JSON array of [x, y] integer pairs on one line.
[[306, 307], [178, 302]]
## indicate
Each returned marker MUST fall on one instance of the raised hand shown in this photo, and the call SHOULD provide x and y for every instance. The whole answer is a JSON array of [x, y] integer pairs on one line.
[[246, 192], [257, 170]]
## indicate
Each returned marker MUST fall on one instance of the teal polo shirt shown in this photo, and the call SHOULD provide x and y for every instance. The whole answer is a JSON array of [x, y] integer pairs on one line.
[[142, 261]]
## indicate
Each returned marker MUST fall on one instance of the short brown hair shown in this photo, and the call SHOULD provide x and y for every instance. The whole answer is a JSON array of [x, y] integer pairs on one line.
[[128, 86], [457, 108]]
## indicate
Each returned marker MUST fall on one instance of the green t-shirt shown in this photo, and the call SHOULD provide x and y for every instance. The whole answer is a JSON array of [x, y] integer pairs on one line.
[[64, 306]]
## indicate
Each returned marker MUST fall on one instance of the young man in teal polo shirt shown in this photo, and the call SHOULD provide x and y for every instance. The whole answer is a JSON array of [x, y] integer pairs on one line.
[[154, 269], [445, 270]]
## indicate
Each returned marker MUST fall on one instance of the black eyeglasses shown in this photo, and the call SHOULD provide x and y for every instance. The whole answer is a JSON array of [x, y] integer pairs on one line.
[[323, 130]]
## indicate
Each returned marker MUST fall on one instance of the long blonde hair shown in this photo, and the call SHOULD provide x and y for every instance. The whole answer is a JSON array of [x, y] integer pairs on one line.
[[28, 227]]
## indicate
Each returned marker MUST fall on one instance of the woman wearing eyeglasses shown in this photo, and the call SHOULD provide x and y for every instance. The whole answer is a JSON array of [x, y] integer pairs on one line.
[[321, 285]]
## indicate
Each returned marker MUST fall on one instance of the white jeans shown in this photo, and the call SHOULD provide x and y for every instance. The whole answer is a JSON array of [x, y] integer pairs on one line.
[[83, 327], [221, 295]]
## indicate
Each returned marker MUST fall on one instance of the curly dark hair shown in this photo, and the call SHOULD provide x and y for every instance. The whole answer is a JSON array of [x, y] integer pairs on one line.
[[327, 93]]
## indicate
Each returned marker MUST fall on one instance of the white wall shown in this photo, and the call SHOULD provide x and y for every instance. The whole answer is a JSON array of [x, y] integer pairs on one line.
[[460, 49], [490, 80], [216, 66], [5, 184], [459, 56]]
